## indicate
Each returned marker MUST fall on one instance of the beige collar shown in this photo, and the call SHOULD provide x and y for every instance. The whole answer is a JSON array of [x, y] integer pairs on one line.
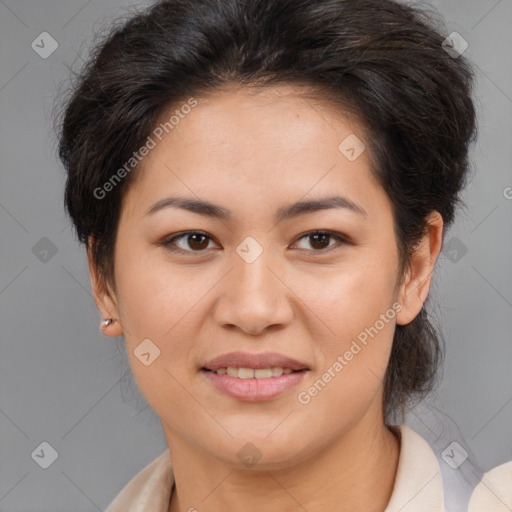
[[494, 491]]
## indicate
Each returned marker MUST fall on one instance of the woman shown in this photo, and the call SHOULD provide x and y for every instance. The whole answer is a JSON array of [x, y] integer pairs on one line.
[[263, 188]]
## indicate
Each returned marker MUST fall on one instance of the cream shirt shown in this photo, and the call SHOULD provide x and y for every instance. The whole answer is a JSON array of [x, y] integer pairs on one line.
[[494, 492], [418, 485]]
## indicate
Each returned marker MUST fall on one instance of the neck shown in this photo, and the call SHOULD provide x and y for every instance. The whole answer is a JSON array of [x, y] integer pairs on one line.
[[354, 474]]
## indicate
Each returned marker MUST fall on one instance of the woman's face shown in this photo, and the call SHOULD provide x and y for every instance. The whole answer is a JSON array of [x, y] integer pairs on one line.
[[253, 290]]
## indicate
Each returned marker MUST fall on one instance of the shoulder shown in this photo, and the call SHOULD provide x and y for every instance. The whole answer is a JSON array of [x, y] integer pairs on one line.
[[418, 483], [149, 489], [494, 491]]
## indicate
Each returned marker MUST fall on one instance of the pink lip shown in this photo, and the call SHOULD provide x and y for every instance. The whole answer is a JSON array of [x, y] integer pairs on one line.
[[254, 390], [248, 360]]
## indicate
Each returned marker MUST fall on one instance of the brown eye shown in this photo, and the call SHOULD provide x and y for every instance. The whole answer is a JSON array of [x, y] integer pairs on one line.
[[319, 240], [191, 241], [197, 241]]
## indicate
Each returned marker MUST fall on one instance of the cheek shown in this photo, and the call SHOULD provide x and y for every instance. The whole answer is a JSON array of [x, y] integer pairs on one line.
[[356, 334], [154, 293], [153, 306], [355, 356], [349, 298]]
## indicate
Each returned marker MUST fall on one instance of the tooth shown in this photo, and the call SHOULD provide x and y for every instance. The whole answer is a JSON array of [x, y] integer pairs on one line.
[[263, 373], [232, 372], [245, 373], [249, 373]]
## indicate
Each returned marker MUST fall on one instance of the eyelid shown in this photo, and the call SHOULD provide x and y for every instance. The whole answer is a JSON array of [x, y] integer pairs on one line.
[[341, 240]]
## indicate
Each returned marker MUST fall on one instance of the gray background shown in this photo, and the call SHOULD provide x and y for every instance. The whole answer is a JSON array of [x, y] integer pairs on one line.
[[62, 382]]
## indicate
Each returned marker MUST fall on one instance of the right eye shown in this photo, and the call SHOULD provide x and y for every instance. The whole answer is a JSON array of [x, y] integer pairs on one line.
[[195, 240]]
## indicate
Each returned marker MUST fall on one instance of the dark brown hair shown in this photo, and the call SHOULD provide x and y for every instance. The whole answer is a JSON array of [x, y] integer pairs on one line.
[[381, 60]]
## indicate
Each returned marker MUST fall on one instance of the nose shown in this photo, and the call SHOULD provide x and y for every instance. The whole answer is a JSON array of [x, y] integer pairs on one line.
[[254, 297]]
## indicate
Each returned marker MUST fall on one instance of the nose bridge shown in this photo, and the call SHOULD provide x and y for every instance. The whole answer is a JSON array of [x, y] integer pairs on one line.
[[253, 297], [252, 269], [253, 278]]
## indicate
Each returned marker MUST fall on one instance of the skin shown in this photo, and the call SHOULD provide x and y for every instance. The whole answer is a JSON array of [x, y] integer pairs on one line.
[[254, 151]]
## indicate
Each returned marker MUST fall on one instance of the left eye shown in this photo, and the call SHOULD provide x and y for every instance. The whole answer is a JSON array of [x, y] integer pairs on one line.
[[199, 241], [320, 238]]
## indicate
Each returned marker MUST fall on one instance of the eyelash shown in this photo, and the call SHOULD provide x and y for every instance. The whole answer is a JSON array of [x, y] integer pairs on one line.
[[168, 243]]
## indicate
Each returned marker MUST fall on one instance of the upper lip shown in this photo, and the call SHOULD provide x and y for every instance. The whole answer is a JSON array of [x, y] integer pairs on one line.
[[248, 360]]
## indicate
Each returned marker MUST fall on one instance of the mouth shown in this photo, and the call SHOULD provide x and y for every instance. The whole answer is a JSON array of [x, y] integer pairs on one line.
[[254, 377], [268, 361], [253, 373]]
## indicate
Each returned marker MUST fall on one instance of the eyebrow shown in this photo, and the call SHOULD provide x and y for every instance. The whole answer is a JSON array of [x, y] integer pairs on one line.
[[209, 209]]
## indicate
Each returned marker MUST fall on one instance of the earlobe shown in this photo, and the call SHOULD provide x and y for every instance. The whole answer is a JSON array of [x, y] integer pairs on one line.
[[104, 298], [112, 332], [416, 284]]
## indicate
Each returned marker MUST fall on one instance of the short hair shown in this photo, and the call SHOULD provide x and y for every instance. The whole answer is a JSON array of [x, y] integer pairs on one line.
[[382, 61]]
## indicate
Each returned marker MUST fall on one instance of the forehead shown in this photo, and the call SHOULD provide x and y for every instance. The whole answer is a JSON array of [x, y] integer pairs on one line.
[[282, 116], [258, 141]]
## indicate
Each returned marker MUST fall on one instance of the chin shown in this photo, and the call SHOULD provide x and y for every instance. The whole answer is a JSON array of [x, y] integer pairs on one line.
[[265, 452]]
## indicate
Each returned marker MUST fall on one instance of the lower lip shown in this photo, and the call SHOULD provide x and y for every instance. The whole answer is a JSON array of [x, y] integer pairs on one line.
[[254, 390]]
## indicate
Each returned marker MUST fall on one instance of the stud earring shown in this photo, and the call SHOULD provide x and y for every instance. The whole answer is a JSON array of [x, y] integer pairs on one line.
[[106, 322]]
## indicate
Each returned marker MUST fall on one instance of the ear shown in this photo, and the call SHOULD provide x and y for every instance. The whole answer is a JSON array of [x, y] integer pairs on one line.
[[416, 285], [104, 297]]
